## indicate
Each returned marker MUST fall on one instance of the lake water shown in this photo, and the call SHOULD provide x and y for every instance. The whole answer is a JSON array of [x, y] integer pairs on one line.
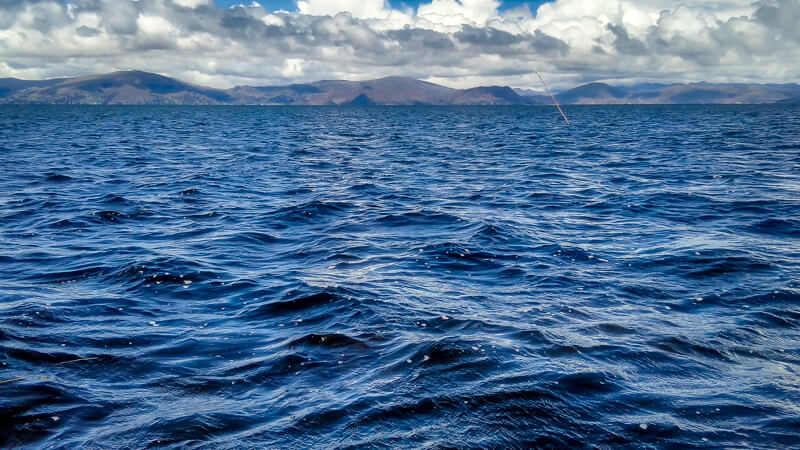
[[225, 277]]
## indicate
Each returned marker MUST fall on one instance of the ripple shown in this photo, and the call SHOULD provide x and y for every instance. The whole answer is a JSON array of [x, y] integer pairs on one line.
[[299, 304], [328, 340], [109, 216], [778, 227]]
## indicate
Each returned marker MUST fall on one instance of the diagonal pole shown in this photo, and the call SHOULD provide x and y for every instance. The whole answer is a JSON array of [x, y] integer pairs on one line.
[[555, 102]]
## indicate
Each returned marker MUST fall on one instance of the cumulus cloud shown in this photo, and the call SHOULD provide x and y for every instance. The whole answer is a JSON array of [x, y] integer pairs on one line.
[[460, 43], [362, 9]]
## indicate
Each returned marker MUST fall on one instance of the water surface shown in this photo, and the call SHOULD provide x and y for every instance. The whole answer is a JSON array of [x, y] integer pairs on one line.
[[400, 277]]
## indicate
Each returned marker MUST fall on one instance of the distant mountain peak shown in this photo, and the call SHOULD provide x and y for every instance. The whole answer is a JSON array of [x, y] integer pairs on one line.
[[398, 78]]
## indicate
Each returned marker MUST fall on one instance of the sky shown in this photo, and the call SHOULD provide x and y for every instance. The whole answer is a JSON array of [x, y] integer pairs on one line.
[[291, 5], [458, 43]]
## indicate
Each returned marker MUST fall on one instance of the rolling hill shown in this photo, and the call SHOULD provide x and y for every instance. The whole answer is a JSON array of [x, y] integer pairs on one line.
[[695, 93], [139, 88], [143, 88]]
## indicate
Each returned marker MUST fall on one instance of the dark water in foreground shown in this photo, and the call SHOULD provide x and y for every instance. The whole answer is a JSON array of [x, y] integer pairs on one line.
[[400, 277]]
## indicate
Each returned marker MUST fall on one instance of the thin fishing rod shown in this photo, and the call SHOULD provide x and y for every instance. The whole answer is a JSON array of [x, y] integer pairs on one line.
[[555, 102]]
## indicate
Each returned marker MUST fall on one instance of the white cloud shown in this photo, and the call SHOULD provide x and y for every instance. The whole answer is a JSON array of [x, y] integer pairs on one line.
[[362, 9], [451, 13], [460, 43], [193, 3], [293, 68], [154, 25]]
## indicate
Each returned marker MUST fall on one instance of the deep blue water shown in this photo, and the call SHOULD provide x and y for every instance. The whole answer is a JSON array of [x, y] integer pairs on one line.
[[400, 277]]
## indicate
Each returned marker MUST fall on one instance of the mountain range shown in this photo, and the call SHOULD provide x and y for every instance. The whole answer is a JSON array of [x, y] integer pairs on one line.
[[143, 88]]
